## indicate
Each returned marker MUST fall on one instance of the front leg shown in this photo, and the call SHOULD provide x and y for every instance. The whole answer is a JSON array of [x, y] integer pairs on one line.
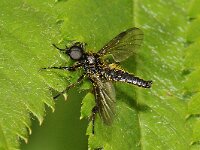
[[70, 68], [79, 80]]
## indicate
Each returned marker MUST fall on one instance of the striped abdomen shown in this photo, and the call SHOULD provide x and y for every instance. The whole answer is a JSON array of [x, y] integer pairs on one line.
[[120, 75]]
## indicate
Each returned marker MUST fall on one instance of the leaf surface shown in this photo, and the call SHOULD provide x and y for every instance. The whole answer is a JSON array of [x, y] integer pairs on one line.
[[146, 118], [26, 34]]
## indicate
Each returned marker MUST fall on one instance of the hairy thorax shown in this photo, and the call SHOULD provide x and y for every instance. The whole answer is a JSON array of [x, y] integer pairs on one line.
[[92, 65]]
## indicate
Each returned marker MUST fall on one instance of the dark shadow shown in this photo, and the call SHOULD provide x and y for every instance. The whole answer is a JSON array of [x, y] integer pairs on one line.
[[193, 116], [131, 101], [191, 19], [188, 43]]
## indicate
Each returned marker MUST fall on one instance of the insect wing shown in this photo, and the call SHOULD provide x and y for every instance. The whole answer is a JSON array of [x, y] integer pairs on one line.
[[123, 45], [105, 99]]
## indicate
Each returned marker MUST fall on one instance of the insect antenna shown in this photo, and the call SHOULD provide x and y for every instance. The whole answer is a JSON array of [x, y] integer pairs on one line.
[[60, 49]]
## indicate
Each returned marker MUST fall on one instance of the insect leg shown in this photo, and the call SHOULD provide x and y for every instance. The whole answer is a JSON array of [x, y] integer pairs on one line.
[[71, 68], [94, 112], [80, 79], [95, 109]]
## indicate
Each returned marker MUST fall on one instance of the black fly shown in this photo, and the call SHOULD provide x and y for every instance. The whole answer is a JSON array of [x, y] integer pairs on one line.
[[102, 74]]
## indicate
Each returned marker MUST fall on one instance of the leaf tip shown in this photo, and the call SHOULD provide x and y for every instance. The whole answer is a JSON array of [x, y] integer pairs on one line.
[[40, 121]]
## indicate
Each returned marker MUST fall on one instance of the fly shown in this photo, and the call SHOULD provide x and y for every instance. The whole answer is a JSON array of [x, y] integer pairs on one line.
[[101, 74]]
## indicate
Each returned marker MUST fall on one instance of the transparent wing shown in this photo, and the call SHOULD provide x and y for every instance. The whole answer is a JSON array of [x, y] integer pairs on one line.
[[123, 45], [105, 100]]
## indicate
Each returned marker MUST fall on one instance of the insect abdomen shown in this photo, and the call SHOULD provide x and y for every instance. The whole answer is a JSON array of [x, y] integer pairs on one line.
[[119, 75]]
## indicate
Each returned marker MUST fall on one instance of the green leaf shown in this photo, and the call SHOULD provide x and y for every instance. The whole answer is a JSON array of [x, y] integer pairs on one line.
[[192, 69], [87, 104], [26, 34], [146, 118]]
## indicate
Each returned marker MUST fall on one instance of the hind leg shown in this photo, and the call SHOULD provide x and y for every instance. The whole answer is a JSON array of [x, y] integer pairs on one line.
[[93, 117]]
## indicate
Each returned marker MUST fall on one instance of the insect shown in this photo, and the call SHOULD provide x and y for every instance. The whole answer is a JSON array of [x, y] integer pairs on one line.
[[101, 74]]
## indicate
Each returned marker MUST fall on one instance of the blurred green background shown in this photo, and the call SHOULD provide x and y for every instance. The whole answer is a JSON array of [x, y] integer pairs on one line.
[[61, 130]]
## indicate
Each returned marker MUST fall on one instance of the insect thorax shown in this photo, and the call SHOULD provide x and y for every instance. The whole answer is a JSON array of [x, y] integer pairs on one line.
[[92, 64]]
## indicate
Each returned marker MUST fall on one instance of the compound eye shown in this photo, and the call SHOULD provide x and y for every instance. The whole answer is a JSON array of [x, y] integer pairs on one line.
[[75, 53]]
